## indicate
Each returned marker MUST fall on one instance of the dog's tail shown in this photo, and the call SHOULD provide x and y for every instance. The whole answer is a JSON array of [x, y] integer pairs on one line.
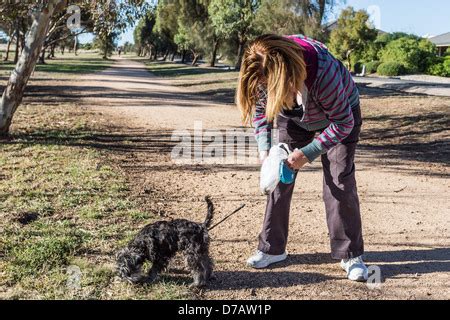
[[210, 214]]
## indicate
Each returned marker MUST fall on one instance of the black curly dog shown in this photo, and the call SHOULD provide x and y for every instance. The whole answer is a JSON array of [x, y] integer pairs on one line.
[[158, 242]]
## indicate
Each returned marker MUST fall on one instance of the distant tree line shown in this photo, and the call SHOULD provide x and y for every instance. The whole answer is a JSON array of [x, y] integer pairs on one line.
[[213, 29], [208, 29]]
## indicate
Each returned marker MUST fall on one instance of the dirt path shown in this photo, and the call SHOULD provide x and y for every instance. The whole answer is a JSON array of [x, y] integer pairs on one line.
[[404, 202]]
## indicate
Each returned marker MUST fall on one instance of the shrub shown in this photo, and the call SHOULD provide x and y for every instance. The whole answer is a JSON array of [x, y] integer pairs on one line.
[[414, 54], [391, 69], [441, 69], [438, 70], [371, 67]]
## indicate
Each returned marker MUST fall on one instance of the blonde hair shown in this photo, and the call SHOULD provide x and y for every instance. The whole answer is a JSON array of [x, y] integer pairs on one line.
[[273, 61]]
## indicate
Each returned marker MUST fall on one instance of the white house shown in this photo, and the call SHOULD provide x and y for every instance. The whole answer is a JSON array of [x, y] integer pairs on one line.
[[442, 42]]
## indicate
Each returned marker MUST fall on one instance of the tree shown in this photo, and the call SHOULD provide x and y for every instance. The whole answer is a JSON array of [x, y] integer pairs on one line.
[[234, 17], [145, 37], [415, 54], [313, 13], [279, 15], [111, 17], [107, 44], [127, 47], [167, 12], [13, 19], [352, 35], [37, 25], [13, 93], [194, 28], [186, 42], [58, 31]]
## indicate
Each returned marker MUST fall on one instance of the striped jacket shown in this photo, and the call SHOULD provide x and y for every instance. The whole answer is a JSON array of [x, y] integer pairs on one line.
[[331, 96]]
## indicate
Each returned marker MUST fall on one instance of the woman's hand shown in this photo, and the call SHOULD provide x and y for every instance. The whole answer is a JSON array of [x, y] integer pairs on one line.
[[297, 160]]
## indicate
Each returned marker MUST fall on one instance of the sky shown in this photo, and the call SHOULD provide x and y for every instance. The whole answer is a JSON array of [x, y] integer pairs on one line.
[[423, 18]]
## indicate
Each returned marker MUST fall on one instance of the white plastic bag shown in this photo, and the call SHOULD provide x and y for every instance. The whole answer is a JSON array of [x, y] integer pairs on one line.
[[270, 169]]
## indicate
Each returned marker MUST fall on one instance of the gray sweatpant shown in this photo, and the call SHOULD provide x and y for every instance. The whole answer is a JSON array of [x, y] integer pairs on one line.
[[339, 194]]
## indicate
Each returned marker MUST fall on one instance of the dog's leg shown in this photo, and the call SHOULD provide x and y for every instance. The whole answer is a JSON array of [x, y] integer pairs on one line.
[[208, 266], [201, 267], [157, 266]]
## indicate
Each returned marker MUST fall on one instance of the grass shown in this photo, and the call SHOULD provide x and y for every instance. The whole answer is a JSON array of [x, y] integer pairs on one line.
[[65, 206], [219, 84], [67, 64], [181, 70]]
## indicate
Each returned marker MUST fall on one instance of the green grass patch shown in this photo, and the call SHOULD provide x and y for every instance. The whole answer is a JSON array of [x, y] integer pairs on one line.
[[40, 248], [81, 212], [67, 64], [182, 71], [217, 84]]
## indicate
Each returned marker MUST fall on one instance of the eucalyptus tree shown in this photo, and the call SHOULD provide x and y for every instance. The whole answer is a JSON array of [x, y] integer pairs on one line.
[[106, 17], [235, 17]]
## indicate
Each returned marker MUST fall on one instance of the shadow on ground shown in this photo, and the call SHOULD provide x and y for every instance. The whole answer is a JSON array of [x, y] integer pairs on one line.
[[181, 69], [236, 280], [392, 263], [409, 137], [401, 263], [374, 143], [410, 262]]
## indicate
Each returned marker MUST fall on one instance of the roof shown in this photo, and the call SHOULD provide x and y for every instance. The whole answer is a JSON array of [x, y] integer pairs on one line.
[[442, 40]]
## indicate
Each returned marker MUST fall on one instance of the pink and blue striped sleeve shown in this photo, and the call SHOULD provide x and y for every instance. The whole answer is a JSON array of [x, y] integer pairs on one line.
[[333, 97], [260, 123]]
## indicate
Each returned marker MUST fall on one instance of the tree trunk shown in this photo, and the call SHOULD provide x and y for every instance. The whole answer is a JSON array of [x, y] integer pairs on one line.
[[172, 58], [212, 62], [22, 42], [349, 60], [63, 48], [240, 54], [196, 57], [183, 57], [42, 56], [165, 55], [75, 45], [16, 54], [8, 46], [13, 93]]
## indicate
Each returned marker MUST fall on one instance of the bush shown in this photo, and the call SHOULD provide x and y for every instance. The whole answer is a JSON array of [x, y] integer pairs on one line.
[[371, 67], [438, 70], [441, 69], [391, 69], [414, 54]]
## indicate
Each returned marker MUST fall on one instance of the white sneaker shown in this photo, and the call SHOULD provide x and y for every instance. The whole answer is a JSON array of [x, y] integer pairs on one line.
[[355, 268], [261, 260]]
